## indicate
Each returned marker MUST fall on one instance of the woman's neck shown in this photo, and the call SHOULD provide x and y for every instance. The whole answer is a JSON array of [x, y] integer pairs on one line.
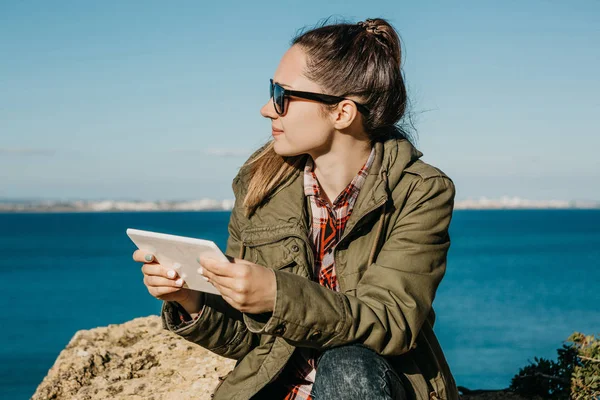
[[336, 168]]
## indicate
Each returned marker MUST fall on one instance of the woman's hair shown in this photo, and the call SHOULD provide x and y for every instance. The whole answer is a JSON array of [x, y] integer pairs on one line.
[[362, 60]]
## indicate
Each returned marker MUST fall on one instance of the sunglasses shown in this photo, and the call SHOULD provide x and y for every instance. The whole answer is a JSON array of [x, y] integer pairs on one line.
[[279, 94]]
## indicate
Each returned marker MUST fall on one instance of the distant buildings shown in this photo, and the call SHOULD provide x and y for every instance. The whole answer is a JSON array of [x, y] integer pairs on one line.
[[482, 203], [114, 205], [505, 202]]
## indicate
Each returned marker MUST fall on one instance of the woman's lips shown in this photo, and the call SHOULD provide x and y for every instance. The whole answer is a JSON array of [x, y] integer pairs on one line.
[[276, 131]]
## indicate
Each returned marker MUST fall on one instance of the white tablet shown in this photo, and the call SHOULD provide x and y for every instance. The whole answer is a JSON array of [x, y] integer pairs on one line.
[[179, 253]]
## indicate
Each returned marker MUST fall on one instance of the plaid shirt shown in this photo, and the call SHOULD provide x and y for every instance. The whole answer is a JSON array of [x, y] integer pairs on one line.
[[327, 225]]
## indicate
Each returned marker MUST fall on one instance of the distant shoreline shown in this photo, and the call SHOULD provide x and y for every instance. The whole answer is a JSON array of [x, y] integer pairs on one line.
[[205, 204], [100, 212], [227, 205], [3, 212], [78, 206]]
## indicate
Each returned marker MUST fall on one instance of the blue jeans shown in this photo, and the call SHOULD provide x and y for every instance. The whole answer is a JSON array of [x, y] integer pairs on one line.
[[356, 372], [352, 372]]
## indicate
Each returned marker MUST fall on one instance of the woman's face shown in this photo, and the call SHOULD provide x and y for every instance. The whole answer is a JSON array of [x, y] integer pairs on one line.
[[304, 128]]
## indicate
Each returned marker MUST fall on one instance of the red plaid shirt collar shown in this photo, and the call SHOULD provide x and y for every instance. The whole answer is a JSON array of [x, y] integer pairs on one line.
[[312, 187]]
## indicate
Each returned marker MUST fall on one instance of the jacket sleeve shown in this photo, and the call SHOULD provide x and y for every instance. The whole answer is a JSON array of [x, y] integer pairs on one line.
[[219, 327], [393, 297]]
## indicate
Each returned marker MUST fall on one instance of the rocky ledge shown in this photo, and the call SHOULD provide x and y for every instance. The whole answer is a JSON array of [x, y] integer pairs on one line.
[[135, 360], [140, 360]]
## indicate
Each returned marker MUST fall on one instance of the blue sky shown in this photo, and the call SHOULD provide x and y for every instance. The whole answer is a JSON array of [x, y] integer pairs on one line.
[[141, 100]]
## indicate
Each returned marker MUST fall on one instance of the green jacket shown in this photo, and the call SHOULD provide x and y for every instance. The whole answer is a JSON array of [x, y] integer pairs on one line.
[[389, 263]]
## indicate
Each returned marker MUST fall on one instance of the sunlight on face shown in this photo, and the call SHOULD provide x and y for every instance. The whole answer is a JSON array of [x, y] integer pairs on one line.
[[303, 129]]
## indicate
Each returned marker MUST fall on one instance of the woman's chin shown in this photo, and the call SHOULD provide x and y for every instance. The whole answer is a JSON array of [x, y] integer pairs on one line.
[[284, 149], [281, 149]]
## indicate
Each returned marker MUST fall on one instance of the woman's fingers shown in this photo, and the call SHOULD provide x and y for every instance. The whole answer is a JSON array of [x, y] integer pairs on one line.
[[164, 288], [226, 292], [142, 256], [159, 270], [212, 277], [158, 291], [158, 281], [162, 282], [153, 268]]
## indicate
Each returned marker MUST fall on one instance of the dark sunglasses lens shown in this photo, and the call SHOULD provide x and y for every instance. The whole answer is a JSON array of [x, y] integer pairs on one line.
[[278, 98]]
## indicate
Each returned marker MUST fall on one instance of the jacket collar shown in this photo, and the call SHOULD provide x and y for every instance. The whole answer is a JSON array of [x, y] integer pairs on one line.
[[391, 158]]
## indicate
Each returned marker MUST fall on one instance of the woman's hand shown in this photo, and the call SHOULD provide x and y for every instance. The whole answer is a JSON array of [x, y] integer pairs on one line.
[[163, 283], [247, 287]]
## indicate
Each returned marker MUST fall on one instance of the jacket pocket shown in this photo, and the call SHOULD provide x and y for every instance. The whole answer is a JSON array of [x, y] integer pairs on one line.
[[276, 255], [275, 252]]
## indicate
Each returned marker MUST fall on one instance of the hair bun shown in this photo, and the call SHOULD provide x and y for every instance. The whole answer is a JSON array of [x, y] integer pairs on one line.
[[384, 34], [371, 26]]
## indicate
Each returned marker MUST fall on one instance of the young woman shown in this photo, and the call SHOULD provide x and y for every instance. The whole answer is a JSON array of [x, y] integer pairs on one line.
[[338, 238]]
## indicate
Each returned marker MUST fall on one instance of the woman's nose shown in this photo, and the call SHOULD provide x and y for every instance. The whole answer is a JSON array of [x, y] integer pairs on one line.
[[268, 110]]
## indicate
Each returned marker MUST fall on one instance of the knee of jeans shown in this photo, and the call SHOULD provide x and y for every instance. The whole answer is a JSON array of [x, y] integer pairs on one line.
[[355, 360]]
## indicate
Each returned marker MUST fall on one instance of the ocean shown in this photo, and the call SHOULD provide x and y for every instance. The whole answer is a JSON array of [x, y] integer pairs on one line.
[[518, 283]]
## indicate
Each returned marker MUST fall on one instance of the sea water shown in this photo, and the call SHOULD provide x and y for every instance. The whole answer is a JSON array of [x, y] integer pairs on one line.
[[518, 283]]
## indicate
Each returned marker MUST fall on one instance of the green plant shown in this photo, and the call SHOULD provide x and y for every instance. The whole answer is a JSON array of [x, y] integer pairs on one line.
[[575, 374], [585, 380], [546, 378]]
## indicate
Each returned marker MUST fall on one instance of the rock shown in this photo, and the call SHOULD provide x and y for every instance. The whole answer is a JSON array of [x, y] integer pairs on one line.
[[135, 360], [139, 360]]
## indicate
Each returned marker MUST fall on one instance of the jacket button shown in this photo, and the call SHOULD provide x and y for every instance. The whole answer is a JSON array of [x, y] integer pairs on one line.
[[316, 335], [295, 248], [279, 329]]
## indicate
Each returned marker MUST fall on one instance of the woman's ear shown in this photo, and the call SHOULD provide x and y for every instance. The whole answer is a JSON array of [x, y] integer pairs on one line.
[[344, 114]]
